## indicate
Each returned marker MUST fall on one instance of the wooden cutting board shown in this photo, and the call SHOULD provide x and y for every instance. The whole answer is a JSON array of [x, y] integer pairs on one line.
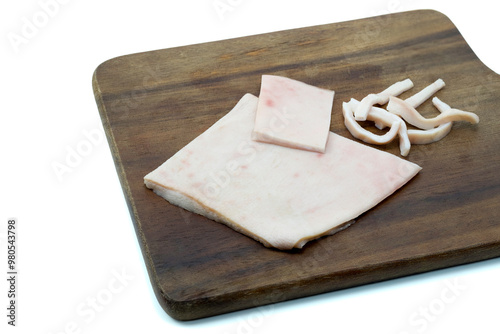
[[154, 103]]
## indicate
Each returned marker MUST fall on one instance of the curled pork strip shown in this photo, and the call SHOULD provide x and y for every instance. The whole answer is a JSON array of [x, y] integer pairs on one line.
[[361, 112], [429, 136], [440, 105], [413, 117], [361, 133], [425, 94], [432, 135], [382, 119]]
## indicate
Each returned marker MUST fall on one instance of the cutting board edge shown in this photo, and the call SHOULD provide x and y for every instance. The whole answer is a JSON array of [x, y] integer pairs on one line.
[[199, 308], [259, 34], [153, 277]]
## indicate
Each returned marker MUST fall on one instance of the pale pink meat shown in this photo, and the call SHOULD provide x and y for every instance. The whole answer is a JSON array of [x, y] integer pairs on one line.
[[280, 196], [293, 114]]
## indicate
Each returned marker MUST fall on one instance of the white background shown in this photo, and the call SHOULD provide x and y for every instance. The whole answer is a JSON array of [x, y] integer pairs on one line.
[[80, 267]]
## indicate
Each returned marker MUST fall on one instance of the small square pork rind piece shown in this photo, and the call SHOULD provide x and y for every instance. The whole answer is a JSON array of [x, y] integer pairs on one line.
[[293, 114], [280, 196]]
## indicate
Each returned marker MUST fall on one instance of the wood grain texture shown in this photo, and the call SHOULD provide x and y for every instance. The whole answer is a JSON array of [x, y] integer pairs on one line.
[[154, 103]]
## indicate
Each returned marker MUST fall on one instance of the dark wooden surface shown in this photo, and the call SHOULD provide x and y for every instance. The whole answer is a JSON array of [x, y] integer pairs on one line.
[[154, 103]]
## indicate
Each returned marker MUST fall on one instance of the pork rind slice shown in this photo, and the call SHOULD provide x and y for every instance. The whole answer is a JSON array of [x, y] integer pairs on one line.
[[280, 196], [293, 114], [413, 117], [428, 130], [363, 108]]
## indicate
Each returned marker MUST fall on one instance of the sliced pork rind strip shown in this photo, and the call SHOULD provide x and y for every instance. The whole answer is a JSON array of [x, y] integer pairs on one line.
[[430, 129], [361, 111], [425, 93], [432, 135], [417, 136], [383, 119], [413, 117], [361, 133]]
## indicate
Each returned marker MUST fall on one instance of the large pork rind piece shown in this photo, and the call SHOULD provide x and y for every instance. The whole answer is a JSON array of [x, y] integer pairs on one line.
[[280, 196], [292, 113]]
